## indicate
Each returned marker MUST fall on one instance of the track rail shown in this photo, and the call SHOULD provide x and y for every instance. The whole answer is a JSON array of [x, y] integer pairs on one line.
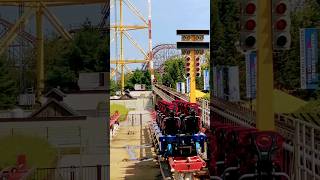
[[302, 138]]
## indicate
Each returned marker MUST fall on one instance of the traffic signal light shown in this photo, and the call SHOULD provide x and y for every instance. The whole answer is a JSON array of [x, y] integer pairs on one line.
[[248, 21], [281, 24], [197, 66], [188, 63]]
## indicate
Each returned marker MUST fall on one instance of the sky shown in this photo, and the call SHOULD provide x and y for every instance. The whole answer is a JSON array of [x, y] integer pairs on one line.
[[167, 17], [69, 16]]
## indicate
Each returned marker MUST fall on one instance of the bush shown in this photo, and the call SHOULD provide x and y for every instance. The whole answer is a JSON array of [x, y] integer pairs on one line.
[[38, 151], [121, 109]]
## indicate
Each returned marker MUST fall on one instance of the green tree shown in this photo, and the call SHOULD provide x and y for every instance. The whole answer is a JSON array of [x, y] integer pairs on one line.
[[114, 87], [87, 52], [138, 77], [174, 71], [8, 86]]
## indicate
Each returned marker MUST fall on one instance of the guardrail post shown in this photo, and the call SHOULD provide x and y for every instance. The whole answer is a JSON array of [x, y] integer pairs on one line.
[[99, 174], [72, 173]]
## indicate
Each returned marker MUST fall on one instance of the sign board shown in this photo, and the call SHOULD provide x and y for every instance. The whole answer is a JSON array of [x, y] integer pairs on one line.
[[206, 78], [140, 87], [220, 82], [178, 87], [218, 88], [188, 85], [183, 88], [233, 81], [215, 85], [251, 74], [309, 75]]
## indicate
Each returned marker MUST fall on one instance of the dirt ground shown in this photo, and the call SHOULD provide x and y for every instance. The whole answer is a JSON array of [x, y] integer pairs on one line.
[[131, 154]]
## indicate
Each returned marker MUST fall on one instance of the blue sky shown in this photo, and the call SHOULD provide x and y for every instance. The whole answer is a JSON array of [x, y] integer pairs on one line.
[[167, 17]]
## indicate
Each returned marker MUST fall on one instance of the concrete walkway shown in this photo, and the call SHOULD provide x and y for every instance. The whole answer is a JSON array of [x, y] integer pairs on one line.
[[131, 154]]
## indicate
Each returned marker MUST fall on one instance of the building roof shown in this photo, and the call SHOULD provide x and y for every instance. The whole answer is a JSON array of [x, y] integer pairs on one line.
[[60, 107], [55, 91]]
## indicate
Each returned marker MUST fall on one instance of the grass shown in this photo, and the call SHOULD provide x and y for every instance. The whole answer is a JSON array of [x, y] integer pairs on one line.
[[38, 151], [121, 108]]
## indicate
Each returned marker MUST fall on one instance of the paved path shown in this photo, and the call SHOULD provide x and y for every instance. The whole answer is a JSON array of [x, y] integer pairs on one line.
[[131, 155]]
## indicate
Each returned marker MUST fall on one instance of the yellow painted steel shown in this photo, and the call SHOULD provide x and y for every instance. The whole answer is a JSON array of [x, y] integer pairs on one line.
[[265, 114], [40, 61], [129, 27], [127, 61], [13, 32], [123, 31], [121, 49], [56, 23], [192, 74]]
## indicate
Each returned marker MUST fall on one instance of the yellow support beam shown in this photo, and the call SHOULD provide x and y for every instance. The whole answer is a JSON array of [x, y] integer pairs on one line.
[[129, 27], [121, 49], [13, 32], [127, 61], [123, 30], [56, 23], [40, 53], [265, 114], [193, 98]]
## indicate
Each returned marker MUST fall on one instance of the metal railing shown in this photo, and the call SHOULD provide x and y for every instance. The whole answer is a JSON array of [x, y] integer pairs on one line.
[[98, 172]]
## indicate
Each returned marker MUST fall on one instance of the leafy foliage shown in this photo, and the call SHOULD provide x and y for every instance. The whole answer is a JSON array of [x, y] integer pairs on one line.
[[114, 86], [138, 77], [8, 86], [87, 52], [174, 71]]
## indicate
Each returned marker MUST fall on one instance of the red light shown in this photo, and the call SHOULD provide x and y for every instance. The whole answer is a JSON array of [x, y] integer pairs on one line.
[[250, 25], [281, 8], [187, 69], [197, 64], [188, 58], [281, 24], [197, 69], [251, 8], [188, 64], [197, 59]]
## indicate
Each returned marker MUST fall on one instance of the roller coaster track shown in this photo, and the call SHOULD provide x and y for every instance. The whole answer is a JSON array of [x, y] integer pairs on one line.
[[302, 138]]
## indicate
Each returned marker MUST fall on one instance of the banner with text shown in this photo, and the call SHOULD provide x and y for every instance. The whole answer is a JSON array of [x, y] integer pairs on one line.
[[233, 82], [309, 75], [206, 76], [251, 74], [188, 85]]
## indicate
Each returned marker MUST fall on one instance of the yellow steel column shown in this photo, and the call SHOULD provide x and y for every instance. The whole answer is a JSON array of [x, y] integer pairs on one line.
[[192, 74], [121, 49], [40, 61], [265, 114]]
